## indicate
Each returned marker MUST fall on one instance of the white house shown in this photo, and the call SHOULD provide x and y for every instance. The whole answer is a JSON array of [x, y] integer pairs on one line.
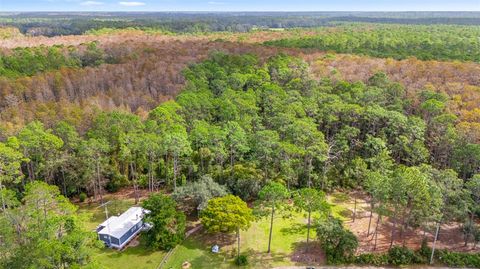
[[117, 231]]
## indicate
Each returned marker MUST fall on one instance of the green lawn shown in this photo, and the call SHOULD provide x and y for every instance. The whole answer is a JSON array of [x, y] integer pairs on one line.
[[96, 215], [288, 235], [138, 257]]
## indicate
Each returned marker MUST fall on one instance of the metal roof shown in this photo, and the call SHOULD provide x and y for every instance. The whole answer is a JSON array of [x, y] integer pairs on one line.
[[118, 226]]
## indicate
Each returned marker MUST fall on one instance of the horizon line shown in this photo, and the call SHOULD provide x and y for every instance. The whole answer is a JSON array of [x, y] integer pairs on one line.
[[233, 11]]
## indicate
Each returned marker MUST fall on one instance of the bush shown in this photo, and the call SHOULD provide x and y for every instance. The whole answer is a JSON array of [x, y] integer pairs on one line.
[[405, 256], [372, 259], [457, 259], [425, 251], [338, 243], [116, 182], [241, 260], [402, 256], [82, 197], [168, 223]]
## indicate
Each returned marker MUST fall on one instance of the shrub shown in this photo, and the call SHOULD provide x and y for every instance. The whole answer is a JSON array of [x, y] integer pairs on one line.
[[168, 223], [116, 182], [372, 259], [339, 243], [82, 197], [457, 259], [241, 260], [425, 252], [402, 256]]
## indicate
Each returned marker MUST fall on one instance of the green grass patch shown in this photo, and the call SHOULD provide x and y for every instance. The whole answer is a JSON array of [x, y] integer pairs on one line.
[[287, 234], [96, 215], [138, 257], [339, 202]]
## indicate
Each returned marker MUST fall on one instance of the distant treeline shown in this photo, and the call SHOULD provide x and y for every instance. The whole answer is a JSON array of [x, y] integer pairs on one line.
[[30, 61], [53, 24], [425, 42]]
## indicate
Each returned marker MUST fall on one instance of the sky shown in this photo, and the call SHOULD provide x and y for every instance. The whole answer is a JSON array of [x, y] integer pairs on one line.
[[239, 5]]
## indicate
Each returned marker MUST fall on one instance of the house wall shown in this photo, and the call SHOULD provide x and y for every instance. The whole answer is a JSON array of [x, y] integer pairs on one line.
[[104, 238], [132, 231]]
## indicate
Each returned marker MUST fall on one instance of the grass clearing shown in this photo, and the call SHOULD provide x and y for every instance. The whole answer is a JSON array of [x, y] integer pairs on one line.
[[138, 257], [287, 234]]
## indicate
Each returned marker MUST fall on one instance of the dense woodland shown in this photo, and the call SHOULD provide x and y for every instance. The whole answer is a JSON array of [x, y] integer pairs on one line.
[[218, 122], [51, 24], [142, 72], [246, 123], [396, 41]]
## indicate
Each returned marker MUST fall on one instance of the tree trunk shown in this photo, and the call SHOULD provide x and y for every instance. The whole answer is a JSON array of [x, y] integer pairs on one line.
[[201, 161], [4, 207], [265, 168], [309, 172], [324, 175], [271, 228], [370, 219], [238, 243], [98, 182], [63, 183], [376, 232], [393, 228], [308, 229], [31, 173], [354, 209], [135, 183], [150, 175], [175, 172], [434, 242], [232, 162], [405, 218]]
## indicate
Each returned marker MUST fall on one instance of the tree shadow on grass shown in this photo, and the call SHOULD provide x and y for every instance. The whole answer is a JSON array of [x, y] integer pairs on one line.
[[140, 249], [340, 197], [346, 213], [313, 255], [211, 239], [225, 258], [262, 259], [295, 228], [202, 245]]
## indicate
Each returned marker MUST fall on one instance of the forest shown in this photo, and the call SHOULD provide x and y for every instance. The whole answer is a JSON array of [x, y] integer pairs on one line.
[[395, 41], [51, 24], [231, 131]]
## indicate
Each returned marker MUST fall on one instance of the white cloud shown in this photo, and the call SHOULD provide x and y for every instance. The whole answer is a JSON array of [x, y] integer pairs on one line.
[[91, 3], [131, 4]]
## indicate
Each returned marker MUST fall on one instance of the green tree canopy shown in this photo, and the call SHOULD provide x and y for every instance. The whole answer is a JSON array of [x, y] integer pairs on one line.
[[168, 223]]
